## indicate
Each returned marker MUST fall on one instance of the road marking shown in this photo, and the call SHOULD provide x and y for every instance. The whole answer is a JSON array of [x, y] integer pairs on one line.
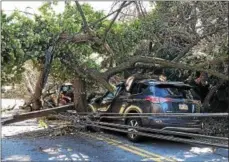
[[123, 147], [132, 149], [144, 151]]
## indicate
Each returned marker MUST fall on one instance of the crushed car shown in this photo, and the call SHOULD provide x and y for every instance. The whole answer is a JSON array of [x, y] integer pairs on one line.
[[141, 96]]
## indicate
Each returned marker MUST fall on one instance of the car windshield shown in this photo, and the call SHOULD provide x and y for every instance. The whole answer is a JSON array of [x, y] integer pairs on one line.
[[172, 91], [112, 95]]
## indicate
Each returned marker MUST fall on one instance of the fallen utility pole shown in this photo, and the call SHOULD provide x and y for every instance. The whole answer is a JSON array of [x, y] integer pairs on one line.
[[35, 114]]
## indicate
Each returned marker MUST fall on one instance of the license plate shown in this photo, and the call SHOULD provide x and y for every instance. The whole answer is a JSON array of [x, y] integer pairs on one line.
[[183, 107]]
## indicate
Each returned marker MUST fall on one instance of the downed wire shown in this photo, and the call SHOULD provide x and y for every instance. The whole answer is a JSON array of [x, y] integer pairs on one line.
[[159, 135], [110, 126], [163, 131], [160, 115], [118, 115], [160, 131], [171, 138]]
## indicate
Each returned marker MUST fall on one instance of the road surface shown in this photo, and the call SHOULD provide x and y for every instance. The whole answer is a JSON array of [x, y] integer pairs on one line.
[[97, 147]]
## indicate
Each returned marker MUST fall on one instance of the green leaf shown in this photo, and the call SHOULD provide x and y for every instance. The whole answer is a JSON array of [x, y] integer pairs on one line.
[[42, 123]]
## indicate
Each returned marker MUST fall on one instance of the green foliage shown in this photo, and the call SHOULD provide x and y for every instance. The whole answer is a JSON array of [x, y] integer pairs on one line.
[[42, 123], [123, 38], [17, 38], [25, 38]]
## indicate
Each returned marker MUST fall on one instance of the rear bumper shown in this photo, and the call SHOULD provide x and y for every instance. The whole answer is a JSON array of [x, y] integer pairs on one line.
[[182, 125]]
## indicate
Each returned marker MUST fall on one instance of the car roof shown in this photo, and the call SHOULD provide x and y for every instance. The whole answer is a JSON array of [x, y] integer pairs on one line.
[[156, 82]]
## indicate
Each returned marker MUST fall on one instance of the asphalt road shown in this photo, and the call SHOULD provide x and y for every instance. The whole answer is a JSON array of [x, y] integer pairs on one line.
[[98, 147]]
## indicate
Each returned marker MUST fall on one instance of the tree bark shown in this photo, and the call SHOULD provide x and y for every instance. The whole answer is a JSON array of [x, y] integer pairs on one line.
[[29, 85], [36, 98], [158, 61], [79, 94], [45, 66], [210, 94]]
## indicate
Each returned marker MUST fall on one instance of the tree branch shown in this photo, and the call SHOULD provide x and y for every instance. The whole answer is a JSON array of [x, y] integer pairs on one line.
[[210, 94], [97, 21], [189, 47], [213, 62], [139, 8], [162, 63], [86, 72], [78, 38], [186, 50], [85, 24], [113, 20]]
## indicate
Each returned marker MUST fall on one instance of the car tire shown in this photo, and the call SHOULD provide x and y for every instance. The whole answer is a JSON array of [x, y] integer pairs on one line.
[[91, 128], [134, 122]]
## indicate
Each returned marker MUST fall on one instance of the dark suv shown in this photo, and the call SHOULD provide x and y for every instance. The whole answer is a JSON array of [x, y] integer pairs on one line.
[[151, 96]]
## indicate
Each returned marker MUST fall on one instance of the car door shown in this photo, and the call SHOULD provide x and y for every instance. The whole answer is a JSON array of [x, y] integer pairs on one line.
[[125, 99], [105, 102], [138, 94]]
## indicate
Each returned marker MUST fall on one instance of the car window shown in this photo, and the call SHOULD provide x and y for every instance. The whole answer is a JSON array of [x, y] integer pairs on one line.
[[139, 88], [142, 88], [134, 88], [172, 92], [110, 95]]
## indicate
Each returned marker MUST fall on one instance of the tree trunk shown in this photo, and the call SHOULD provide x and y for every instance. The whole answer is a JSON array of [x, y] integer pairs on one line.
[[45, 66], [36, 98], [80, 102], [207, 99], [29, 85]]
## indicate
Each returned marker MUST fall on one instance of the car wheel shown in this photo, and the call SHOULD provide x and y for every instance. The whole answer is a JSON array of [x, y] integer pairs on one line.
[[131, 131], [92, 128]]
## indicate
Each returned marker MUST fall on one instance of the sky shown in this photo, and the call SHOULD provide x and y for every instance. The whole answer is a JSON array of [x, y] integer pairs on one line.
[[8, 6]]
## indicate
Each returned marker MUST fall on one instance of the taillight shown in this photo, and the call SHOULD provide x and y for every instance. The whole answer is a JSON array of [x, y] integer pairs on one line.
[[165, 99], [157, 99], [152, 99]]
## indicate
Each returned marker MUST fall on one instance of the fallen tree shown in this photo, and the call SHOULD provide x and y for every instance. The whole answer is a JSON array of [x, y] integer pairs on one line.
[[103, 77], [35, 114], [88, 35]]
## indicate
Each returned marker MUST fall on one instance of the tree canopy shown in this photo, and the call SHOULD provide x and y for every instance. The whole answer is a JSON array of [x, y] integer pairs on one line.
[[179, 35]]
